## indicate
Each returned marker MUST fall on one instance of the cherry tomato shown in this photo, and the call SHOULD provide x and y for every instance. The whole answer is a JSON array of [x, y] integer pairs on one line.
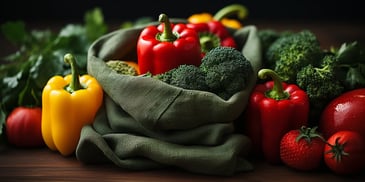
[[346, 112], [344, 153], [23, 127]]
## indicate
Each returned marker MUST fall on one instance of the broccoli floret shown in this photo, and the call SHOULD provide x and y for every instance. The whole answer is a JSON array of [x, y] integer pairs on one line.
[[219, 55], [320, 84], [227, 71], [267, 37], [121, 67], [165, 77], [288, 54], [189, 77], [185, 76]]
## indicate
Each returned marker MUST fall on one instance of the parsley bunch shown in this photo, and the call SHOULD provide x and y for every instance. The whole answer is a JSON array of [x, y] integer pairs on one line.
[[39, 56]]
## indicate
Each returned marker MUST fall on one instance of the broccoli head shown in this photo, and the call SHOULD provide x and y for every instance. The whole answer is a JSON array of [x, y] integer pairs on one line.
[[222, 54], [122, 67], [227, 71], [289, 53], [165, 77], [267, 37], [188, 77], [185, 76], [320, 84]]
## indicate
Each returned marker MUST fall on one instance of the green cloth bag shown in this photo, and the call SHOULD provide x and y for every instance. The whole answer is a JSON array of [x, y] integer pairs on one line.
[[147, 124]]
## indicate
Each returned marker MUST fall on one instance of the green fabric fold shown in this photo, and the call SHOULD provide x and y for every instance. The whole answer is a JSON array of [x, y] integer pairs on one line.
[[122, 122], [142, 153], [147, 124]]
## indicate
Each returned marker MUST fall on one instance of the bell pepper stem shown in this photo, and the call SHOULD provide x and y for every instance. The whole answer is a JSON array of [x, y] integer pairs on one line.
[[167, 35], [277, 92], [233, 9], [75, 81], [208, 41]]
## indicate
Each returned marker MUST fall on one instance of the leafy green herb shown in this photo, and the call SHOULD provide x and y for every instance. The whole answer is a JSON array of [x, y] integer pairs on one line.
[[24, 73], [351, 65]]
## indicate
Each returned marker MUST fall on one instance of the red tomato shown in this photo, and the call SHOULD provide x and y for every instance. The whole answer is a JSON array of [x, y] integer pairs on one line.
[[344, 153], [346, 112], [23, 127]]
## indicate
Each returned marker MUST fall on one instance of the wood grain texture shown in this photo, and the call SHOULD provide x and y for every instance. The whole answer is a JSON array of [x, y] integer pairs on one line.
[[42, 164]]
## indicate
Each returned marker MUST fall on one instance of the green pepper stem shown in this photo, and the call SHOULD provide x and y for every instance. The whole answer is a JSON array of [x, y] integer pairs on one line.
[[75, 81], [277, 92], [167, 35], [233, 9], [208, 41]]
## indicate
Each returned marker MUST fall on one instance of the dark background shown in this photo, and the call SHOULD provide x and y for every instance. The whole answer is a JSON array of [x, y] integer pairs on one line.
[[67, 10], [334, 21]]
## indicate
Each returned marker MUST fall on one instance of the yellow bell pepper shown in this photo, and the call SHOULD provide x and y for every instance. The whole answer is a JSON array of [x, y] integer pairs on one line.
[[68, 103], [222, 15]]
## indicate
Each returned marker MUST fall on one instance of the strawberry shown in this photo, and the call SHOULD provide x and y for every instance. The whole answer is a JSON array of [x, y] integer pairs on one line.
[[302, 149]]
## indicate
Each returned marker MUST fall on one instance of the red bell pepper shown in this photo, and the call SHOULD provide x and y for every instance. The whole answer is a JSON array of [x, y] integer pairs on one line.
[[166, 46], [274, 108], [213, 34]]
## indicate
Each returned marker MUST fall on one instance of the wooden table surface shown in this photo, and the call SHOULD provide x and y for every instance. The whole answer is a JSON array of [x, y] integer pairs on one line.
[[41, 164]]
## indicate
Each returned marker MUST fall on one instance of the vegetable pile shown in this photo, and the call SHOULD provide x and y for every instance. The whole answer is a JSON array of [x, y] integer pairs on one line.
[[324, 74], [333, 81], [306, 106]]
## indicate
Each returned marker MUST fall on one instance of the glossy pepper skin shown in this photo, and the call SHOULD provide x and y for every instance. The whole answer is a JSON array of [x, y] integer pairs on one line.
[[68, 103], [274, 108], [164, 47]]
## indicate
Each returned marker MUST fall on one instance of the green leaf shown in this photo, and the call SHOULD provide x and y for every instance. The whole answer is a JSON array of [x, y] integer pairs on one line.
[[13, 81], [355, 77], [349, 53], [44, 67], [14, 31], [11, 88]]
